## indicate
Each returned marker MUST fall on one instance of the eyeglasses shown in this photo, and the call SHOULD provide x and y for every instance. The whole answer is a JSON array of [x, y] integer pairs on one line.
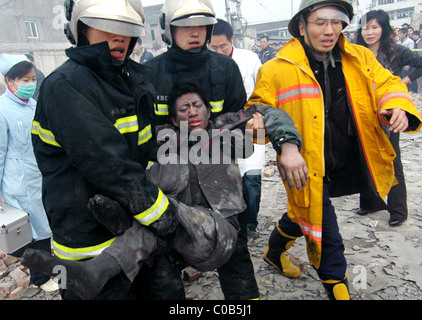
[[322, 23]]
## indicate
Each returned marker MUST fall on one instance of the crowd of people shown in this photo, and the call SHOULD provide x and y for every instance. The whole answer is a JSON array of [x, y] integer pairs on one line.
[[135, 166]]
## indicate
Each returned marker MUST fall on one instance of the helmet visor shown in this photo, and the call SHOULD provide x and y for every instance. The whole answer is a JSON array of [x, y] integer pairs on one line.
[[121, 28], [331, 13], [194, 20]]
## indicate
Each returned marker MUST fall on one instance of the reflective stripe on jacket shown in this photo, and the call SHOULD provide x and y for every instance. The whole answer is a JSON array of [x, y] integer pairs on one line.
[[68, 253], [287, 82]]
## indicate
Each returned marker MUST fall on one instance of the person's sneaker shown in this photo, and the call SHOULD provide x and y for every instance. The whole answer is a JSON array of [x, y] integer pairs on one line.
[[50, 286]]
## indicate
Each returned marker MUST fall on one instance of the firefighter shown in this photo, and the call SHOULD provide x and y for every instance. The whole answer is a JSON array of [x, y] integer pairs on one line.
[[337, 94], [93, 133], [187, 28]]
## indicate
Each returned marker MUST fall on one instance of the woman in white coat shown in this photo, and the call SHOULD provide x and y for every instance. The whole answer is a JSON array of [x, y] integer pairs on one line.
[[20, 178]]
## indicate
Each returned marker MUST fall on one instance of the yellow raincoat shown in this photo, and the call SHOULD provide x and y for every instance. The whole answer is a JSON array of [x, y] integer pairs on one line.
[[287, 82]]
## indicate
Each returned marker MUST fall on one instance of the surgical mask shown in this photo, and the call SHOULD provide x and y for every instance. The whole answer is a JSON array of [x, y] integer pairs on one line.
[[26, 89]]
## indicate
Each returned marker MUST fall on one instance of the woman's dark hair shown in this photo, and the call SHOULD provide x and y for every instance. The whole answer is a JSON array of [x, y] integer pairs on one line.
[[181, 88], [387, 44], [19, 70]]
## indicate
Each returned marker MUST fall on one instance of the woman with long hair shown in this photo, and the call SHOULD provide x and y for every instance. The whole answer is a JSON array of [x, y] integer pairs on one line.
[[376, 33]]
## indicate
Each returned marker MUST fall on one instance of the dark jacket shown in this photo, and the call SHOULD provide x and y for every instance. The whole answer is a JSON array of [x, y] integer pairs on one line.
[[267, 54], [403, 57], [93, 134], [215, 73]]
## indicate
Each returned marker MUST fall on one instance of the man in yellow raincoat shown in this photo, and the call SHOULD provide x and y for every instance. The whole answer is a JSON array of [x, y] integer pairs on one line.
[[337, 94]]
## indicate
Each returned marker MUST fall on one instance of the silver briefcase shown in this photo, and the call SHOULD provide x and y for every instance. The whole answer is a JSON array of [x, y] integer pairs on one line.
[[15, 229]]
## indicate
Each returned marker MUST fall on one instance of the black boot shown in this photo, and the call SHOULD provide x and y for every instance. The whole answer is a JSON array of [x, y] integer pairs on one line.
[[83, 278], [110, 214]]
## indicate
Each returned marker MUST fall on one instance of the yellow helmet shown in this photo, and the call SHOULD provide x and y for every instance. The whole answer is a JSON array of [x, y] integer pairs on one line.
[[122, 17], [186, 13]]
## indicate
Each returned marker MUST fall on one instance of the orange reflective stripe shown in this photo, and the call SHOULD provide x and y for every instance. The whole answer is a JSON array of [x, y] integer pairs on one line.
[[315, 233], [299, 91], [394, 95]]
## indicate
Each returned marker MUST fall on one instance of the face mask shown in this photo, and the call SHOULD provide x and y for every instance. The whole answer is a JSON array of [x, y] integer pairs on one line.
[[25, 90]]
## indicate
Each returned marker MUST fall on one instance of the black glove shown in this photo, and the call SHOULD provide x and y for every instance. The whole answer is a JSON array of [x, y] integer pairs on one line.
[[110, 214]]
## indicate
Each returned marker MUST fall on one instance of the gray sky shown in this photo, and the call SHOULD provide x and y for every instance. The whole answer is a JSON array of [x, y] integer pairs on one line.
[[256, 11]]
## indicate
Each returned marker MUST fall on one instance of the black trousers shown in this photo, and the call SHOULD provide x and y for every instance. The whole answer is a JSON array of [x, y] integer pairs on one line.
[[237, 276], [397, 198]]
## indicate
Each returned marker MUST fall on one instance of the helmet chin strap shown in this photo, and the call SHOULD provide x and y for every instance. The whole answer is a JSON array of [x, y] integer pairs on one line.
[[305, 26]]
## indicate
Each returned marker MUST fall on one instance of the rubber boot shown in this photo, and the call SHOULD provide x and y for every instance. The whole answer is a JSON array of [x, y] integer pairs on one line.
[[275, 254], [336, 289], [84, 278]]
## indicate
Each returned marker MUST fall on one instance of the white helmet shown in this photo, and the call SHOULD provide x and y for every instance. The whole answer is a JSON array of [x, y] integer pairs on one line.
[[122, 17], [185, 13]]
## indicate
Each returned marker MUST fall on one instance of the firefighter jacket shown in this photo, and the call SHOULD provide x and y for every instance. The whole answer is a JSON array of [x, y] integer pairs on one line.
[[93, 134], [217, 75], [288, 82]]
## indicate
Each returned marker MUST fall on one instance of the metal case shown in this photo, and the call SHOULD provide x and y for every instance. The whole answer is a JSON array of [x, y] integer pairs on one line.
[[15, 229]]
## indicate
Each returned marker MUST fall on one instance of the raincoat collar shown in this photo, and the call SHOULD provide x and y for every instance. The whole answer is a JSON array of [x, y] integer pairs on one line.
[[97, 58]]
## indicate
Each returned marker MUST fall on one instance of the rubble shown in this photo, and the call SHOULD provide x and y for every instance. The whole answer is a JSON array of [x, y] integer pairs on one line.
[[15, 282]]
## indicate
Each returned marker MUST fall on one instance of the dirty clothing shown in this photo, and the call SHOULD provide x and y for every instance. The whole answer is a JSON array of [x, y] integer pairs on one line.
[[210, 203], [290, 83]]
